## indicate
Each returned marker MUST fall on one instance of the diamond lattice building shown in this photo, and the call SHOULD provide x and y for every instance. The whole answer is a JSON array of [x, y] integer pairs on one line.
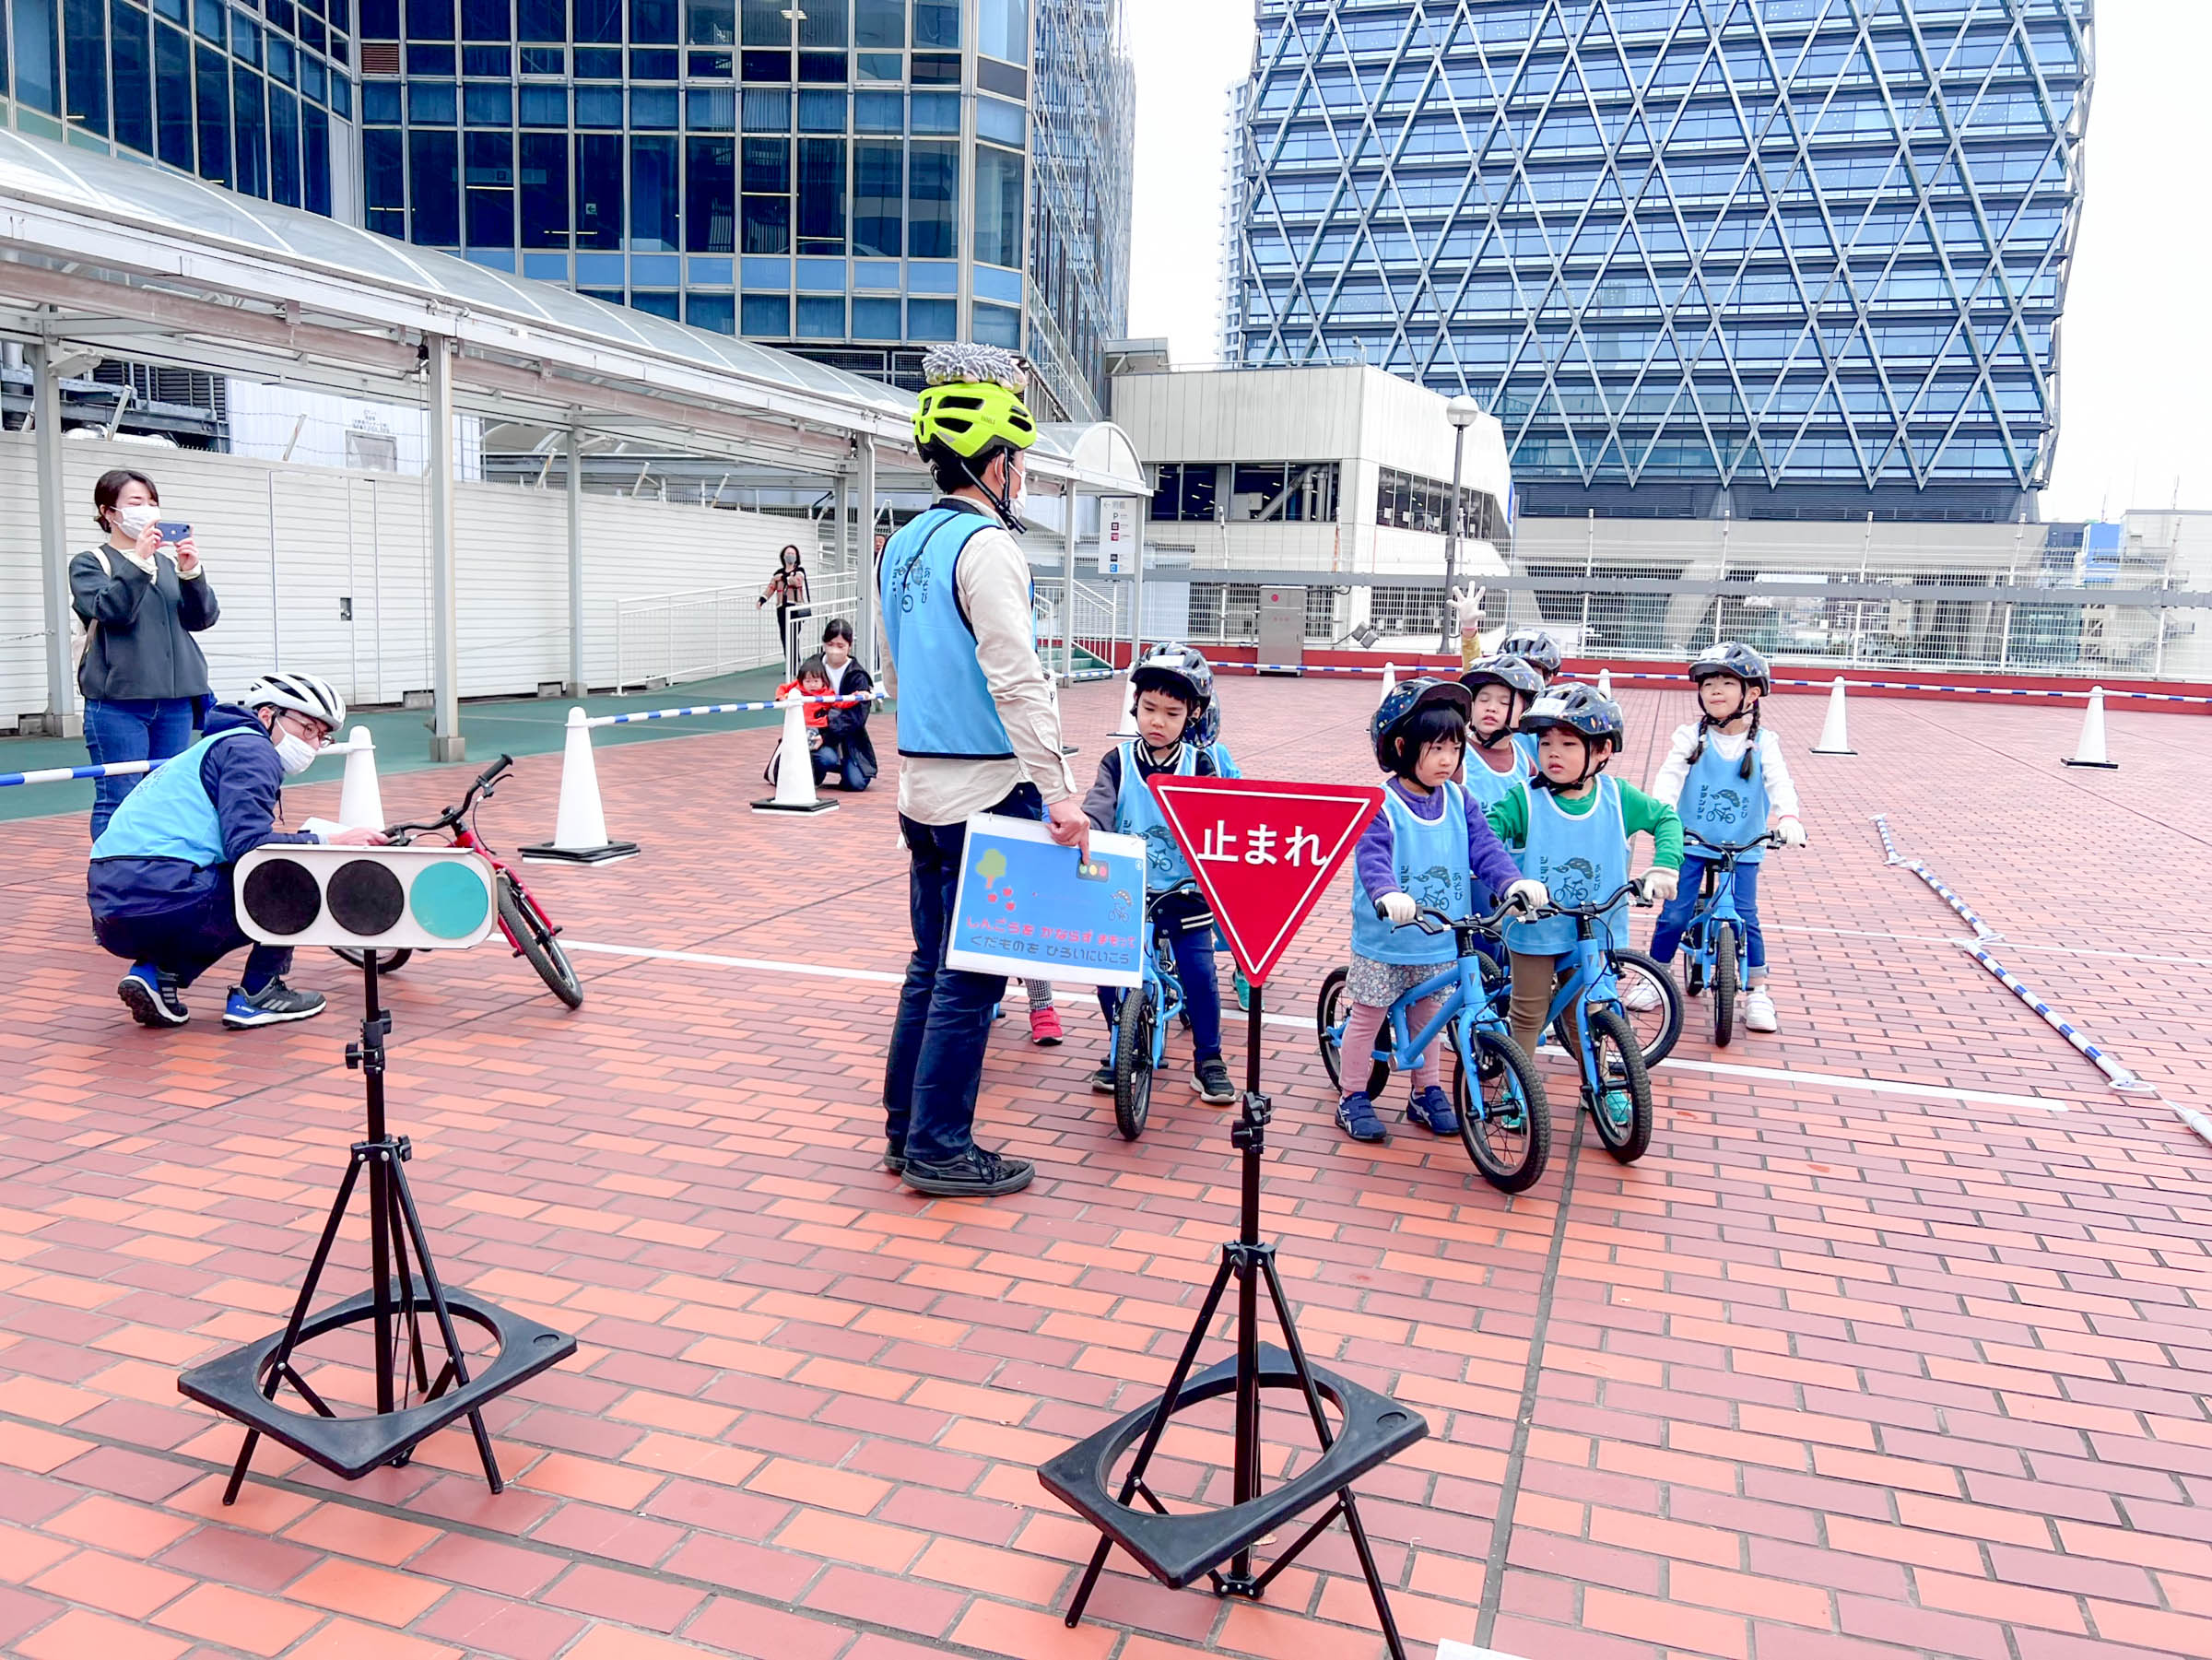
[[1794, 258]]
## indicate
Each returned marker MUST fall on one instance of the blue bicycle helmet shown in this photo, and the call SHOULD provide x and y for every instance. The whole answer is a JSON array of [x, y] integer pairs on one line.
[[1406, 699]]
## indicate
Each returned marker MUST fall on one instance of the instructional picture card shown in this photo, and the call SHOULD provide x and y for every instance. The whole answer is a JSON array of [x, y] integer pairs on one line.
[[1028, 908]]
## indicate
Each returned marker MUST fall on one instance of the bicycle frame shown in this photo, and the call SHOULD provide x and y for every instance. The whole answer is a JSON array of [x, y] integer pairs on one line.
[[461, 821], [1716, 900], [1590, 980], [1471, 993], [1161, 979]]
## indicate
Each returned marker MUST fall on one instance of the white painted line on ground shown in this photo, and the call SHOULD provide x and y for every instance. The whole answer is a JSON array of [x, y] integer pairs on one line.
[[2017, 945], [1826, 1080]]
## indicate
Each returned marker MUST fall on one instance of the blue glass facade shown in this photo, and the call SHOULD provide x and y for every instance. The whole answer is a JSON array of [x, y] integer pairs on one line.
[[1699, 256], [257, 96]]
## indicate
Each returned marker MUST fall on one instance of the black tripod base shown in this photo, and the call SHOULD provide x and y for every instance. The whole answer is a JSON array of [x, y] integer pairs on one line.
[[1176, 1549], [233, 1383]]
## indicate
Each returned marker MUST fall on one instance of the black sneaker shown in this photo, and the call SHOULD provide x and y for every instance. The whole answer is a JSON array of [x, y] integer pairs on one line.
[[272, 1006], [1214, 1087], [154, 999], [1102, 1081], [975, 1174], [894, 1157]]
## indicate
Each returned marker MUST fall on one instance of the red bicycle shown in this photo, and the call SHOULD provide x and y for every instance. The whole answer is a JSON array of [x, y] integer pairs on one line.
[[528, 929]]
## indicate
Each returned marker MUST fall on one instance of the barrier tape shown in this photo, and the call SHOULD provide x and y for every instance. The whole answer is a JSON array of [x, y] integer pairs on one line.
[[1890, 854], [1982, 929], [123, 769], [873, 696], [1984, 692]]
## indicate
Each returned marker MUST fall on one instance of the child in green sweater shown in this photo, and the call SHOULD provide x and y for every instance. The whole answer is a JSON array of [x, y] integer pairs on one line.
[[1568, 827]]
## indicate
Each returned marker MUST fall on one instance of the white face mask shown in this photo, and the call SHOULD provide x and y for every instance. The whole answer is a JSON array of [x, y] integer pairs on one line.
[[294, 753], [133, 520]]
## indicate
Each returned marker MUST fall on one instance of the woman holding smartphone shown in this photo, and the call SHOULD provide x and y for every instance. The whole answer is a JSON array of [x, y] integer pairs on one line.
[[141, 596]]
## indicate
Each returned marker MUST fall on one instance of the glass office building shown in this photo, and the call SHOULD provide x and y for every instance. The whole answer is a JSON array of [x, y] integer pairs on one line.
[[1701, 257], [855, 179], [258, 98]]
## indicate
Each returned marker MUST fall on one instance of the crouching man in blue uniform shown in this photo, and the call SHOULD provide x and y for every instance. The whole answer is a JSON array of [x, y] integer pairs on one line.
[[160, 882]]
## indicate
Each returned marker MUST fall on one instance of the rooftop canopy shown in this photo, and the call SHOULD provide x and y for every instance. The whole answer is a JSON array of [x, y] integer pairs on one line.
[[142, 263]]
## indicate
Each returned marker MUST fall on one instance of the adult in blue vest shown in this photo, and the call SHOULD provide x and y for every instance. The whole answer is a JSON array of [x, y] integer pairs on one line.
[[160, 882], [978, 732]]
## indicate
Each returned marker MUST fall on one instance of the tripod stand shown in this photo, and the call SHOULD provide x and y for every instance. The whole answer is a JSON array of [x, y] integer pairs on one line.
[[243, 1384], [1175, 1549]]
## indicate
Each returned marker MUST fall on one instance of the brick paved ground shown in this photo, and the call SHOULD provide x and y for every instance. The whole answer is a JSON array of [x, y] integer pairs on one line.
[[1833, 1374]]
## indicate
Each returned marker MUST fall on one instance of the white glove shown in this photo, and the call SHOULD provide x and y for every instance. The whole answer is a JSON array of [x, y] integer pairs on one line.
[[1792, 833], [1529, 894], [1660, 884], [1399, 908]]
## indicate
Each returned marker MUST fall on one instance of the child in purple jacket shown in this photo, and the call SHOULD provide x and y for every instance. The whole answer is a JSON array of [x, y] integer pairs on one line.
[[1431, 845]]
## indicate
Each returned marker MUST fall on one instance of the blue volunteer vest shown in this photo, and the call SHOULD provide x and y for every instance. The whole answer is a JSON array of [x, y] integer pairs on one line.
[[1579, 858], [1722, 806], [1489, 788], [168, 816], [945, 707], [1430, 862], [1136, 813]]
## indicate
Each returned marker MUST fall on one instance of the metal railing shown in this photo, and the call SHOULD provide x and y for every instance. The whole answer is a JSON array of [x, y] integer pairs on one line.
[[666, 639], [1100, 621]]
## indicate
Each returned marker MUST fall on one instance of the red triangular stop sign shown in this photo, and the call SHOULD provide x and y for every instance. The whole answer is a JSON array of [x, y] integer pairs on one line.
[[1263, 851]]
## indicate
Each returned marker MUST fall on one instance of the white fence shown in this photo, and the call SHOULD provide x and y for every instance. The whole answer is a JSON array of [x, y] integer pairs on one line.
[[328, 570], [665, 639]]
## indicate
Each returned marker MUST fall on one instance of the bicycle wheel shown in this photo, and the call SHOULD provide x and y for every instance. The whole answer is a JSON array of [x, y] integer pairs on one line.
[[1329, 1011], [386, 961], [1724, 984], [1618, 1064], [534, 938], [1133, 1061], [1504, 1117], [1657, 1027]]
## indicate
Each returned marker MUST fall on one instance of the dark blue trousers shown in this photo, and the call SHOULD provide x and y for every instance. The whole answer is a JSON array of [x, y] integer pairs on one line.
[[189, 941]]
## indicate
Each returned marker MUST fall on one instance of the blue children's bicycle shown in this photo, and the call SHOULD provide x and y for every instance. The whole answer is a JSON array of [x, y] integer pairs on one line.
[[1587, 1018], [1714, 952], [1140, 1024], [1504, 1117]]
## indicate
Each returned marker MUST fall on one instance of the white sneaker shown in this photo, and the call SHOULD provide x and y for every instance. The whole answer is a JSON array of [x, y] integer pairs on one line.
[[1642, 995], [1759, 1011]]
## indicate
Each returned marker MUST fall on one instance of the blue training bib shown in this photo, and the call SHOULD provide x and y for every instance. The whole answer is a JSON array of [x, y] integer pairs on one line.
[[1489, 788], [1580, 858], [1428, 859], [1722, 804]]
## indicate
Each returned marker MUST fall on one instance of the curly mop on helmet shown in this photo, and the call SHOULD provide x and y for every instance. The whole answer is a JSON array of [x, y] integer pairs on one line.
[[969, 411]]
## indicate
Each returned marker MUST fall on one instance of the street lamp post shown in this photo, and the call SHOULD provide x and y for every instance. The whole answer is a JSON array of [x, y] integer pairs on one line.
[[1462, 412]]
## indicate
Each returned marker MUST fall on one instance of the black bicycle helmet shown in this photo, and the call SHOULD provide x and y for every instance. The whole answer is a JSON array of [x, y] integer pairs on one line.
[[1579, 708], [1517, 675], [1732, 657], [1402, 701], [1534, 647]]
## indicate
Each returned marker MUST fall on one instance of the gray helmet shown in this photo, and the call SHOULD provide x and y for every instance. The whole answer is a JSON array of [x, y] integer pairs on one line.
[[1535, 646], [1517, 674], [309, 695], [1182, 671], [1578, 708], [1731, 657]]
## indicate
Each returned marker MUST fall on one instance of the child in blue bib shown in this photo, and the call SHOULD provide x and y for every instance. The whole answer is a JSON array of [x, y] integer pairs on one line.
[[1429, 846], [1729, 781], [1178, 725], [1569, 827]]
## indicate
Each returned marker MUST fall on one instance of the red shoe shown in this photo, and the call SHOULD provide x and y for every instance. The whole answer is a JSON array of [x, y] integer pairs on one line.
[[1044, 1027]]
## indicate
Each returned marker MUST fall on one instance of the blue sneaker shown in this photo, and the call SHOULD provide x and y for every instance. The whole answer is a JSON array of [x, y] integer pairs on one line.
[[1432, 1110], [1356, 1117], [154, 999], [272, 1006]]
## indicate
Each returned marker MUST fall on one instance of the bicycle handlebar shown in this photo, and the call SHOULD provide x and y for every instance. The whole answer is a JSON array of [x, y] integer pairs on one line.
[[1601, 906], [1445, 924], [1766, 838], [483, 788]]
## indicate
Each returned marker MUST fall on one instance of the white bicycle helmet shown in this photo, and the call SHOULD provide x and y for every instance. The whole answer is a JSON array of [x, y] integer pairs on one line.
[[309, 695]]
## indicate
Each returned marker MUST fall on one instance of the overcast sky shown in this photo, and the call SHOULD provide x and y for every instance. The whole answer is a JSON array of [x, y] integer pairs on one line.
[[2136, 343]]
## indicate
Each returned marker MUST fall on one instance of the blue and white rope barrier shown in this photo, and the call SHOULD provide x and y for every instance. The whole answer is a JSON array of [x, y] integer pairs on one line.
[[874, 696], [1890, 854], [116, 768], [1983, 931], [1978, 692]]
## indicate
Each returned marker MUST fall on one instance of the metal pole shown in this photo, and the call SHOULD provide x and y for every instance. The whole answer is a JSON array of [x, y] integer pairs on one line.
[[446, 742], [1136, 602], [1068, 583], [276, 597], [1589, 564], [63, 719], [1459, 446], [575, 494], [863, 620]]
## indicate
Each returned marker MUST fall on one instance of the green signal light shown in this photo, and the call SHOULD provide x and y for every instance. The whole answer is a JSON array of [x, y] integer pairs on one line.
[[449, 899]]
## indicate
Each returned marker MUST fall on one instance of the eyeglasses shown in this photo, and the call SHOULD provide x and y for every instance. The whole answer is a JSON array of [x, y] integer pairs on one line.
[[306, 726]]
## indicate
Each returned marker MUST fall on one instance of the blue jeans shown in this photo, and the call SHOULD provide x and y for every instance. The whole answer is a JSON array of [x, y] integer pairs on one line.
[[1667, 936], [935, 1063], [189, 941], [831, 761], [131, 729], [1201, 985]]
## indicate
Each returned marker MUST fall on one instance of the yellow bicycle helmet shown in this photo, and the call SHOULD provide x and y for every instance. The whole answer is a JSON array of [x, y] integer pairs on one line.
[[972, 410]]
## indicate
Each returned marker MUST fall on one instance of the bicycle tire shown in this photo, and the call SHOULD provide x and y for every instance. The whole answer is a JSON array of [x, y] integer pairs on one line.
[[1133, 1061], [1500, 1065], [1723, 985], [533, 937], [386, 961], [1608, 1031], [1657, 1030]]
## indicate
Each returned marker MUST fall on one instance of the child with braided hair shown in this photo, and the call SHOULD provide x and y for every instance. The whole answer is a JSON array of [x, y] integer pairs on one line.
[[1727, 778]]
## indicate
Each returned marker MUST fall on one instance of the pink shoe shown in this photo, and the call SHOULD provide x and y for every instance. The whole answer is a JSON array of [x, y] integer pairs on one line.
[[1044, 1027]]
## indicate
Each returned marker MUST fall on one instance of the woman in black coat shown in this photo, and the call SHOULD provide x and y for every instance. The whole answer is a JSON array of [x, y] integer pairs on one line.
[[139, 598], [847, 755]]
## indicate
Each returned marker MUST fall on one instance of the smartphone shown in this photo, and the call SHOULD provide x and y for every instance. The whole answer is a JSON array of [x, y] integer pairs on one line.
[[173, 530]]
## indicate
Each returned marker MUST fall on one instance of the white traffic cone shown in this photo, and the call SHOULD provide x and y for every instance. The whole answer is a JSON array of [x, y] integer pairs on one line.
[[794, 767], [1605, 682], [360, 802], [2090, 751], [1834, 737], [580, 827], [1390, 680]]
